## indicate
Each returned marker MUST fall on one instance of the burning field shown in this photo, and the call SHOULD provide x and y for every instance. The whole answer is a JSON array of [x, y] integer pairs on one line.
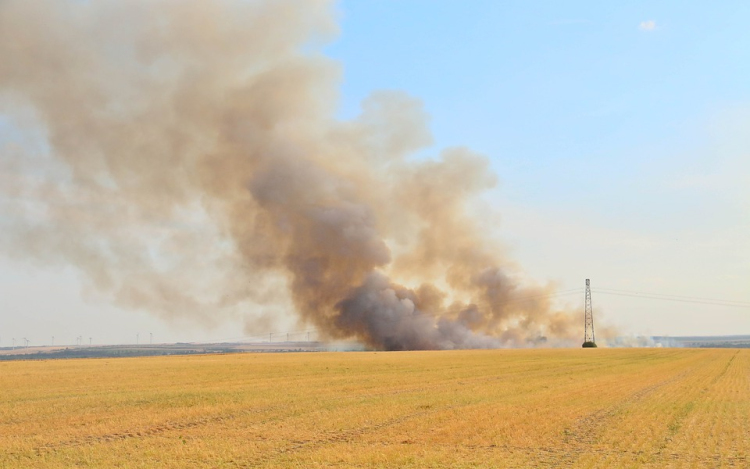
[[186, 157]]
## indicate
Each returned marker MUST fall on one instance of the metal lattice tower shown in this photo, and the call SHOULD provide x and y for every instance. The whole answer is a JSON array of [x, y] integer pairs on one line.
[[588, 333]]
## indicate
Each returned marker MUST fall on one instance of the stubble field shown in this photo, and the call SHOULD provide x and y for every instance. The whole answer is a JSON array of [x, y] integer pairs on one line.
[[503, 408]]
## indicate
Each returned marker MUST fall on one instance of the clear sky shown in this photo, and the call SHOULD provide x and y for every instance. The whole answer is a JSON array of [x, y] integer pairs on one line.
[[620, 135]]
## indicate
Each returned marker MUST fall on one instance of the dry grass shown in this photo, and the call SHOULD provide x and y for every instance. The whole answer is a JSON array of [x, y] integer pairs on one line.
[[507, 408]]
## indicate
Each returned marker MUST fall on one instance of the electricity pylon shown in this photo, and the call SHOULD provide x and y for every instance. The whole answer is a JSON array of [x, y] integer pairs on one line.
[[588, 332]]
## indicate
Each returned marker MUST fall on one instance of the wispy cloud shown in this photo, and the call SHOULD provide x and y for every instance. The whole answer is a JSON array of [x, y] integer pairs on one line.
[[649, 25]]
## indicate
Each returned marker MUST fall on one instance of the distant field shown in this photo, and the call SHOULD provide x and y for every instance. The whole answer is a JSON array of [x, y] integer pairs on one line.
[[505, 408]]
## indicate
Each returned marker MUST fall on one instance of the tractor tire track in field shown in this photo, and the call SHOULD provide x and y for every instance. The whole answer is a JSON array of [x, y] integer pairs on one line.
[[580, 438], [351, 434], [344, 436], [677, 422], [585, 432], [724, 371], [148, 431]]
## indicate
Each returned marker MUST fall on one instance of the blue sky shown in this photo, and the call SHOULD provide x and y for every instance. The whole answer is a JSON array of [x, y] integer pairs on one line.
[[618, 132]]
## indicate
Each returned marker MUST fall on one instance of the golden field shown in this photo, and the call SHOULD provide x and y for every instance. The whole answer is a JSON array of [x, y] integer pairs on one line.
[[501, 408]]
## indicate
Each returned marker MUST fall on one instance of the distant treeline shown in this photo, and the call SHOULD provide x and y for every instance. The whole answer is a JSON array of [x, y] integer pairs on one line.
[[146, 351], [727, 341], [103, 353], [719, 345]]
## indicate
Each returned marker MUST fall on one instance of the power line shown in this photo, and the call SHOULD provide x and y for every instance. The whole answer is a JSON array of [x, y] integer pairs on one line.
[[676, 296], [667, 297]]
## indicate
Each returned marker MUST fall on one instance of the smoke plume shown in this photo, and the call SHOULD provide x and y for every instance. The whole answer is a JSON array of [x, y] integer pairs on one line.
[[186, 157]]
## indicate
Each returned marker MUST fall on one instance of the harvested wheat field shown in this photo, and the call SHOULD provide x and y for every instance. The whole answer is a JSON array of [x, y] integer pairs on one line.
[[502, 408]]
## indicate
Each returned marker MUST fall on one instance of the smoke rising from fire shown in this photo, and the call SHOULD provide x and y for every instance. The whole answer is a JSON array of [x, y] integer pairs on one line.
[[193, 166]]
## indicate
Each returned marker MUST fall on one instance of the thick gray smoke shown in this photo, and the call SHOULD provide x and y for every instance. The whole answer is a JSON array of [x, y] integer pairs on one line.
[[185, 156]]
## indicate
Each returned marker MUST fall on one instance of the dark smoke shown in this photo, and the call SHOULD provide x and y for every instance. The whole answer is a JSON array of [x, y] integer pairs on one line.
[[192, 166]]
